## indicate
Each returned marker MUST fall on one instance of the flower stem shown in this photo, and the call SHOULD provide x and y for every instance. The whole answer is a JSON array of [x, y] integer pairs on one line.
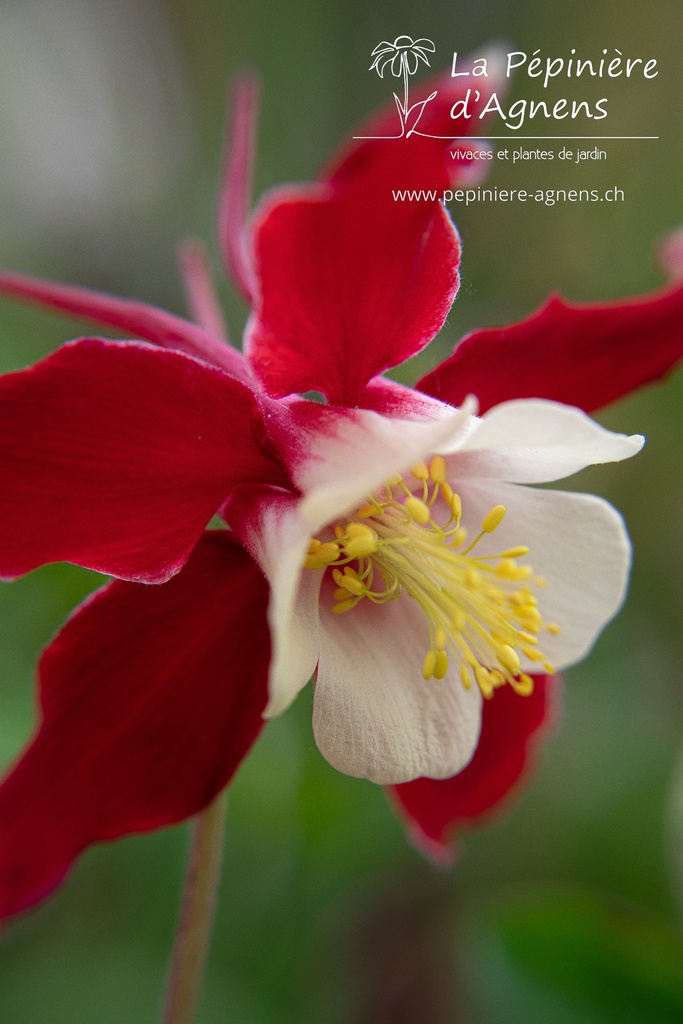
[[196, 915]]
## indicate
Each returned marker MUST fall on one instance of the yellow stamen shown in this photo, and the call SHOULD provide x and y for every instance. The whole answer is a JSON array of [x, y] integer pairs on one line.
[[482, 616], [437, 470], [441, 667], [327, 553], [362, 541], [493, 518], [429, 664], [417, 509]]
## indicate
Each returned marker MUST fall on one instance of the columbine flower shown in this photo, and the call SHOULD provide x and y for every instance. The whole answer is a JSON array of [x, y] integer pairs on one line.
[[417, 600], [389, 537]]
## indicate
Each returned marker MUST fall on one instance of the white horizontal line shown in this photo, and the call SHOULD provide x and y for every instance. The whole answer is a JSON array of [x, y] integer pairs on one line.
[[509, 138], [596, 138]]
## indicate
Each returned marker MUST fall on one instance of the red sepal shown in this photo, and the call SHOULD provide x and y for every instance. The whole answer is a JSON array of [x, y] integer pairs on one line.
[[352, 283], [150, 698], [354, 279], [435, 809], [115, 455], [235, 192], [134, 319], [583, 355]]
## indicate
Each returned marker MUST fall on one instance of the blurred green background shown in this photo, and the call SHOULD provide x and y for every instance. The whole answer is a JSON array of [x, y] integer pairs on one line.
[[568, 908]]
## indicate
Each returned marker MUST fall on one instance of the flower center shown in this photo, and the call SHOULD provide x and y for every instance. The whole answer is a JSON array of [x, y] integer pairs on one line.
[[481, 610]]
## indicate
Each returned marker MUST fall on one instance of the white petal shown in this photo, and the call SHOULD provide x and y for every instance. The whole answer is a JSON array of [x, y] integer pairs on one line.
[[279, 542], [374, 716], [578, 543], [359, 451], [534, 441]]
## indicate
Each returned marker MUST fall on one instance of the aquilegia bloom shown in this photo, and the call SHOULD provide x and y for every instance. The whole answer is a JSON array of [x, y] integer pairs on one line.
[[388, 540]]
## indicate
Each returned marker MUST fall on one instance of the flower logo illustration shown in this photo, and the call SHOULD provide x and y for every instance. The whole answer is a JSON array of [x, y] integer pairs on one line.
[[403, 57]]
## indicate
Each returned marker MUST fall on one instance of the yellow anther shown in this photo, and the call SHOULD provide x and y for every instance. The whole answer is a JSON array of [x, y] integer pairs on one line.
[[344, 606], [459, 538], [417, 509], [429, 664], [532, 653], [441, 639], [327, 553], [313, 545], [530, 616], [437, 470], [541, 582], [493, 518], [456, 506], [523, 685], [348, 582], [523, 597], [353, 585], [509, 570], [508, 658], [472, 577], [553, 628], [366, 511], [549, 667], [530, 639], [339, 532], [420, 471], [360, 547], [441, 666], [363, 541], [517, 552], [465, 677], [484, 681], [311, 562], [497, 678]]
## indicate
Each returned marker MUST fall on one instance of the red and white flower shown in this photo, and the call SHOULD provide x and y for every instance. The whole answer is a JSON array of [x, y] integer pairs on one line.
[[353, 547]]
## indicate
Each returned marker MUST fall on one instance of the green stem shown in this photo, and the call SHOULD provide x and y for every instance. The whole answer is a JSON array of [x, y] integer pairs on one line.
[[196, 916]]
